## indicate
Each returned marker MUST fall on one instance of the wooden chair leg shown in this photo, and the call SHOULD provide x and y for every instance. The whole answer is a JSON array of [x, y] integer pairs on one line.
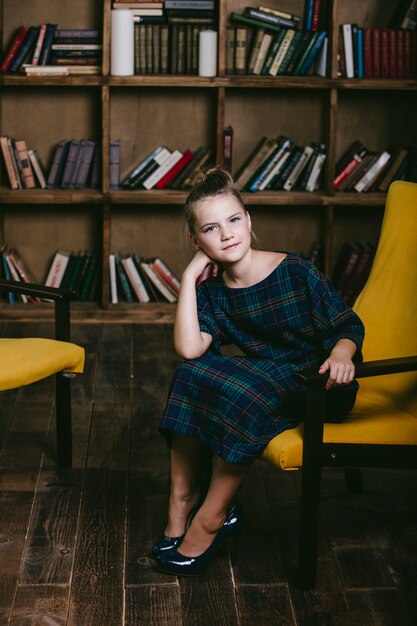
[[63, 419], [353, 478]]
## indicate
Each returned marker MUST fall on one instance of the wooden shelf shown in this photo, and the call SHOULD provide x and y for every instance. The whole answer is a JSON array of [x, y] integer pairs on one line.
[[183, 112]]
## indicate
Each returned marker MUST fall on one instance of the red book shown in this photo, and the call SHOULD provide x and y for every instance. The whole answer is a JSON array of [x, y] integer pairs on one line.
[[353, 163], [399, 35], [384, 53], [407, 54], [376, 53], [14, 47], [413, 54], [392, 54], [367, 52], [315, 23], [176, 169]]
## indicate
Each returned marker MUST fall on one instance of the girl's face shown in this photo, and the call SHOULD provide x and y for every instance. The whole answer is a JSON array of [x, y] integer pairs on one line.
[[223, 228]]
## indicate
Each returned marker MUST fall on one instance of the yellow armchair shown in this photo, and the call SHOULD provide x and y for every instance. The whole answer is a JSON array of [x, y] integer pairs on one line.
[[26, 360], [381, 431]]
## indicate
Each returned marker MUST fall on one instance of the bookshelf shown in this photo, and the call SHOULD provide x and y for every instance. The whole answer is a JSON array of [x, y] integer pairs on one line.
[[184, 112]]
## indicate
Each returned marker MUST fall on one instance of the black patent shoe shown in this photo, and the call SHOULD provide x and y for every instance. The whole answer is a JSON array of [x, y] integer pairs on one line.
[[164, 543], [173, 562]]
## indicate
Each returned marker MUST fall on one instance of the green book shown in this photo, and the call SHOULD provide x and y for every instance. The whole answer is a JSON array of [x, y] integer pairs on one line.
[[272, 52], [250, 21], [306, 51], [290, 53]]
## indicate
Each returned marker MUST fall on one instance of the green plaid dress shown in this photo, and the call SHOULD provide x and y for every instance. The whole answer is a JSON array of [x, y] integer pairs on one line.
[[290, 320]]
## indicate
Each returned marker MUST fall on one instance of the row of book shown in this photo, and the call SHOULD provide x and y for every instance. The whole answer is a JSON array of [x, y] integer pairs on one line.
[[361, 169], [168, 169], [261, 42], [12, 267], [166, 49], [352, 269], [280, 164], [376, 52], [76, 164], [78, 271], [136, 279], [47, 50]]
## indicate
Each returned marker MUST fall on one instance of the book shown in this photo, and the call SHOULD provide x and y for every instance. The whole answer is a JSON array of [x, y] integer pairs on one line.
[[256, 44], [114, 163], [37, 167], [84, 164], [8, 158], [228, 148], [270, 18], [398, 158], [24, 49], [351, 159], [87, 284], [313, 182], [175, 169], [262, 53], [23, 156], [168, 163], [261, 151], [312, 51], [283, 48], [15, 260], [38, 45], [58, 164], [263, 178], [166, 274], [157, 282], [14, 46], [134, 176], [241, 48], [57, 269], [230, 49], [135, 279], [113, 282], [298, 168], [366, 180], [348, 50], [182, 176], [70, 162]]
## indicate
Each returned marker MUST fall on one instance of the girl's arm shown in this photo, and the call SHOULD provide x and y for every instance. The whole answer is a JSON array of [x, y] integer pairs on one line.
[[189, 341], [340, 364]]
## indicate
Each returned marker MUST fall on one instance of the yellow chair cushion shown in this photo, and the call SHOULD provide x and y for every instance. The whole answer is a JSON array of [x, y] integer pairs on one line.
[[24, 361], [368, 423]]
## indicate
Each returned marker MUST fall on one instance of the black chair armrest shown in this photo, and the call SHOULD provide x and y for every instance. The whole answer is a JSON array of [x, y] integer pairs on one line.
[[61, 298], [310, 377]]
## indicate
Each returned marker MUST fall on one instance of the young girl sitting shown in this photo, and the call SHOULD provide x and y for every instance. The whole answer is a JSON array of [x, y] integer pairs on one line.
[[284, 315]]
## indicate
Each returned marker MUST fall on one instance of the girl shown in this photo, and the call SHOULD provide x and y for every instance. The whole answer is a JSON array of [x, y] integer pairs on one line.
[[284, 315]]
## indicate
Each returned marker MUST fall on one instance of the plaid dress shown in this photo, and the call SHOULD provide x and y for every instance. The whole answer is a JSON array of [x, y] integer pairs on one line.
[[290, 320]]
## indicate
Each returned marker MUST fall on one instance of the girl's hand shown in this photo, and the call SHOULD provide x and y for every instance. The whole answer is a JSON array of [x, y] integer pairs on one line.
[[339, 364], [201, 264]]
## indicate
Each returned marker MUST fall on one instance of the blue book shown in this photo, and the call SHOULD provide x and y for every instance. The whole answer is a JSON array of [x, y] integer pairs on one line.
[[359, 57], [126, 182], [29, 42], [7, 276], [47, 44], [308, 14], [313, 52]]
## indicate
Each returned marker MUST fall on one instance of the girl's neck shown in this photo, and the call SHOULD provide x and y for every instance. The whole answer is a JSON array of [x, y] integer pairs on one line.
[[254, 267]]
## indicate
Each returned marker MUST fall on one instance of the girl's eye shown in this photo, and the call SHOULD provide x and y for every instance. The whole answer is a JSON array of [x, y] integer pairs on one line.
[[235, 219], [209, 229]]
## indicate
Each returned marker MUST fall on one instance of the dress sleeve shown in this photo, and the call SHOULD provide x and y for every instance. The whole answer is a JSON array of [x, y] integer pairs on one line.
[[206, 317], [333, 319]]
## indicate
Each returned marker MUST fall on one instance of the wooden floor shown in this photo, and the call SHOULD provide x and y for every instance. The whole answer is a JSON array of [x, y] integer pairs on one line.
[[74, 544]]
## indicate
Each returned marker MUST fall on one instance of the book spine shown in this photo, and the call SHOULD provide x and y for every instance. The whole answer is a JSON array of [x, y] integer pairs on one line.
[[162, 169], [282, 51], [57, 269], [135, 280], [39, 44], [114, 164], [22, 153], [348, 48], [113, 282], [366, 180], [270, 18], [159, 266], [175, 170], [14, 47], [7, 156], [23, 51]]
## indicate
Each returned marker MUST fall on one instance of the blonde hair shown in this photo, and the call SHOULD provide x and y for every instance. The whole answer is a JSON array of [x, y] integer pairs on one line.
[[214, 182]]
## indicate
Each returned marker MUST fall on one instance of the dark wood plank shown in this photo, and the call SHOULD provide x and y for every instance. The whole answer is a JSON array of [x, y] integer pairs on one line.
[[153, 605], [382, 607], [40, 605], [50, 547], [264, 604], [96, 596], [259, 561], [326, 604], [210, 594]]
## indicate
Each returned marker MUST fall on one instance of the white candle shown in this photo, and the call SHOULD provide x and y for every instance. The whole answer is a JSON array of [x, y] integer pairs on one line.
[[207, 53], [122, 58]]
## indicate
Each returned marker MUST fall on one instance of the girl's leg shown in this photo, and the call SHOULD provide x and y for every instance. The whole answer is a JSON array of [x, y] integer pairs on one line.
[[186, 455], [225, 480]]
